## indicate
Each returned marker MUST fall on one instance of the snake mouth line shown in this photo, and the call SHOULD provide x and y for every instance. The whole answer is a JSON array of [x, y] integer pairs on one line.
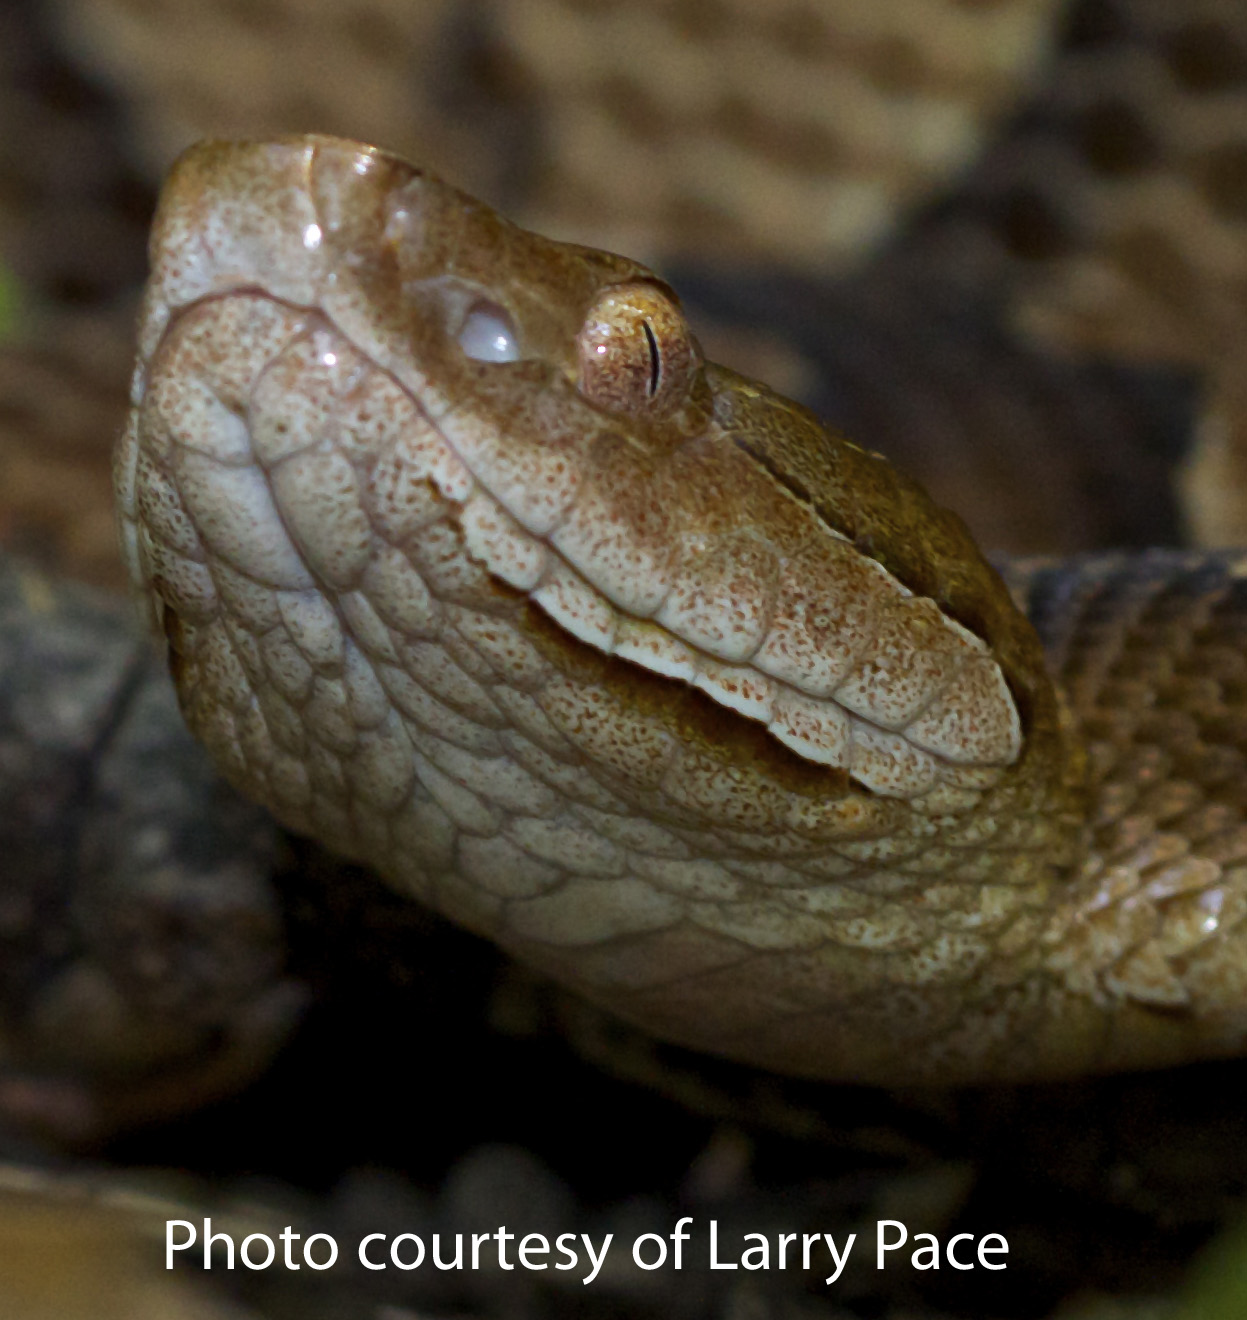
[[816, 730]]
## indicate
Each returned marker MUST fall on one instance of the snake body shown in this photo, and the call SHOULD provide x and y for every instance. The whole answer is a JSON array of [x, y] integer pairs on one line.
[[472, 568]]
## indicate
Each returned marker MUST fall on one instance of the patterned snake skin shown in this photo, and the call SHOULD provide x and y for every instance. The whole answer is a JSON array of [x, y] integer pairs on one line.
[[1088, 189], [1126, 135], [472, 569], [1002, 242]]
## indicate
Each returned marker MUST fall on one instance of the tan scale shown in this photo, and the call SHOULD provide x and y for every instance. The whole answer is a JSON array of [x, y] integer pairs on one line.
[[471, 567]]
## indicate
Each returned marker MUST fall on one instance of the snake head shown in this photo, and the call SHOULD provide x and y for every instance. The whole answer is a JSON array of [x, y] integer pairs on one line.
[[472, 567]]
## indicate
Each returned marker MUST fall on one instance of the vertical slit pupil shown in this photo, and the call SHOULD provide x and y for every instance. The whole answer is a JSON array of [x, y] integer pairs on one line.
[[655, 358]]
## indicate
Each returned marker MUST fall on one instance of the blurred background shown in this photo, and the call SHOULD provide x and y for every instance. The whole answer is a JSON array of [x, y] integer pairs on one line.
[[1000, 240], [1003, 241]]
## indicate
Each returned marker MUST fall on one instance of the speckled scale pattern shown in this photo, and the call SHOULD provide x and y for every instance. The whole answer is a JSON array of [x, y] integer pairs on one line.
[[1151, 651], [387, 624]]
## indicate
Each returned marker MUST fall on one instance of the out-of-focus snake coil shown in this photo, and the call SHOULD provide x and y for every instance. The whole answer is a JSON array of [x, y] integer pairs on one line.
[[472, 568]]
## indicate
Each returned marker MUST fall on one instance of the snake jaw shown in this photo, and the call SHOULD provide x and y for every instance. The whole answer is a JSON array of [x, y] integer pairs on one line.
[[630, 519]]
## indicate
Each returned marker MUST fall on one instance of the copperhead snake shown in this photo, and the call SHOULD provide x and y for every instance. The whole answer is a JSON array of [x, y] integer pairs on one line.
[[472, 568]]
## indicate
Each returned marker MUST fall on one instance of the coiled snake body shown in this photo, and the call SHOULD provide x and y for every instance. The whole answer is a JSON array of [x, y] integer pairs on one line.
[[472, 568]]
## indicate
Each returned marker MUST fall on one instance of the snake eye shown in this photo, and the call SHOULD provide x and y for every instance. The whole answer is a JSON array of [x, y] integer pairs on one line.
[[488, 334], [636, 353]]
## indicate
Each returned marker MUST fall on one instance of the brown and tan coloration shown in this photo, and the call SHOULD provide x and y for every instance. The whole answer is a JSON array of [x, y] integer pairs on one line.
[[470, 567], [796, 132], [678, 130]]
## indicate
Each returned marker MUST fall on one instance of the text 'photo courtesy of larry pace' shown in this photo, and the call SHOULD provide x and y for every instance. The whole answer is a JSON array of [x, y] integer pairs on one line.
[[688, 1245]]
